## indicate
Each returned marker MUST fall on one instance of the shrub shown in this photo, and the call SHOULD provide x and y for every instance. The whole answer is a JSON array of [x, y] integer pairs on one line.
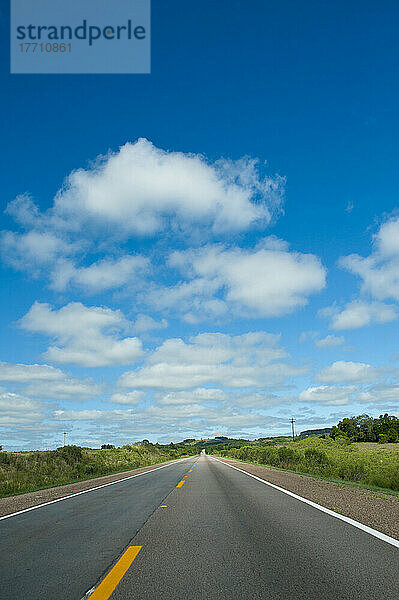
[[71, 454], [383, 438], [316, 457], [287, 457]]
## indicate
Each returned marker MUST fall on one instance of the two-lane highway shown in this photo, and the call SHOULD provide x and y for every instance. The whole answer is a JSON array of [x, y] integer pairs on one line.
[[59, 551], [194, 530]]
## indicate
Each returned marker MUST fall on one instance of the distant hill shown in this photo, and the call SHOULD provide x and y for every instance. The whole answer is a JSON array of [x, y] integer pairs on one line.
[[309, 432], [223, 442]]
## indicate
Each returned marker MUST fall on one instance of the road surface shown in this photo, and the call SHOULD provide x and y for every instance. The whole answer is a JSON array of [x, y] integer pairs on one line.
[[192, 530]]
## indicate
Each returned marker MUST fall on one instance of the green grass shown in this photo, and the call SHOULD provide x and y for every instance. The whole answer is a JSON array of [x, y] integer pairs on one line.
[[29, 471], [371, 465]]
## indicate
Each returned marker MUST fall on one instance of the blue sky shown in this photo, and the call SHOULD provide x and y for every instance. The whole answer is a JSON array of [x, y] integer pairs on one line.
[[209, 249]]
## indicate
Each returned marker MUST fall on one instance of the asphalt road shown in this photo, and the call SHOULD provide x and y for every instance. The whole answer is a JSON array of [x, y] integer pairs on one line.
[[59, 551], [221, 535]]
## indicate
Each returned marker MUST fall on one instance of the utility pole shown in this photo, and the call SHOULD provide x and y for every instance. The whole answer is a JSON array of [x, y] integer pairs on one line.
[[292, 421], [65, 437]]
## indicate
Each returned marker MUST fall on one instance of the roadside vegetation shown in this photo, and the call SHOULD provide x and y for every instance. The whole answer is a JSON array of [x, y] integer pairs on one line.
[[362, 450], [370, 464], [363, 428], [28, 471]]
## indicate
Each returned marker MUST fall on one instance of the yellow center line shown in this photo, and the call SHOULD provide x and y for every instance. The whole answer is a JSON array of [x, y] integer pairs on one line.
[[190, 470], [182, 482], [109, 583]]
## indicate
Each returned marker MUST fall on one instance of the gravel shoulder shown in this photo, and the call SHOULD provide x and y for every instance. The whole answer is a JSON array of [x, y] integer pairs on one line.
[[375, 509], [13, 504]]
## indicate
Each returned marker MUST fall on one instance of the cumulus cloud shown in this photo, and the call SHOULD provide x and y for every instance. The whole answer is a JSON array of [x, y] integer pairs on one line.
[[142, 190], [380, 270], [151, 188], [267, 281], [330, 341], [351, 372], [65, 389], [381, 393], [387, 238], [86, 336], [89, 415], [213, 359], [100, 276], [191, 396], [33, 250], [146, 323], [259, 399], [129, 398], [29, 373], [18, 410], [358, 314], [328, 395], [44, 381]]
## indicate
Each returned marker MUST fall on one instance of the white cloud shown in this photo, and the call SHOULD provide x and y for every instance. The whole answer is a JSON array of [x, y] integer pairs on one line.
[[34, 250], [17, 410], [191, 396], [351, 372], [66, 389], [151, 188], [379, 271], [146, 323], [357, 314], [142, 190], [129, 398], [213, 359], [44, 381], [308, 335], [89, 415], [327, 395], [138, 190], [29, 373], [170, 419], [256, 399], [380, 393], [191, 414], [387, 238], [87, 336], [102, 275], [268, 281], [330, 341], [24, 211]]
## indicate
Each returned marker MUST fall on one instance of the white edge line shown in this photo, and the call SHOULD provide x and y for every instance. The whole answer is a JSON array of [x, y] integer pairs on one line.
[[98, 487], [370, 530]]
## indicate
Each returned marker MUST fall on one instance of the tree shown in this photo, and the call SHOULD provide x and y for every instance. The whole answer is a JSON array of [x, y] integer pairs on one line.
[[364, 428], [349, 427]]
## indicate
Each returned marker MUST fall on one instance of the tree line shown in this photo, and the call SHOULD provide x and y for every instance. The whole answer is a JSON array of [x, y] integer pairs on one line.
[[364, 428]]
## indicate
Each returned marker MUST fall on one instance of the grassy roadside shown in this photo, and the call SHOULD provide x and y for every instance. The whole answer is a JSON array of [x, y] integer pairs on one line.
[[369, 465], [341, 482], [31, 471]]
